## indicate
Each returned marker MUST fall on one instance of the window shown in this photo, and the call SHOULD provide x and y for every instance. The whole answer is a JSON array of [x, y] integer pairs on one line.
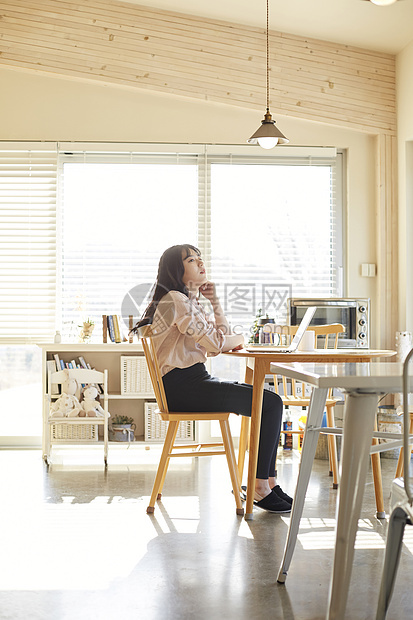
[[20, 395], [274, 235], [119, 215], [260, 219], [27, 283]]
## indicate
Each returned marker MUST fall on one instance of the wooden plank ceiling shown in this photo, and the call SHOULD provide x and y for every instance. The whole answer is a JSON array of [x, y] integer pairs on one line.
[[125, 44]]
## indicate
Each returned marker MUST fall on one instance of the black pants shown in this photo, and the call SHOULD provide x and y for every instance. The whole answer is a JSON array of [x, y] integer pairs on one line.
[[193, 389]]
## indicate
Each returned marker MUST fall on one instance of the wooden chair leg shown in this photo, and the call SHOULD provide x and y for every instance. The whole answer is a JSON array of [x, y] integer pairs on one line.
[[377, 480], [243, 443], [330, 465], [232, 463], [399, 469], [167, 465], [163, 464], [332, 445]]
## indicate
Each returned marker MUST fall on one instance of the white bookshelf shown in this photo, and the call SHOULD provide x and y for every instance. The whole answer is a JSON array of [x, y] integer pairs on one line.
[[103, 356]]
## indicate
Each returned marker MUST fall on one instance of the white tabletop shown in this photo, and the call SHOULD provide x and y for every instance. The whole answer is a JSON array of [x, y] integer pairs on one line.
[[376, 377]]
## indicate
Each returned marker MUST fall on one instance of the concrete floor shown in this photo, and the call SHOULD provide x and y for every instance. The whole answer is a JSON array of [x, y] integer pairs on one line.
[[76, 543]]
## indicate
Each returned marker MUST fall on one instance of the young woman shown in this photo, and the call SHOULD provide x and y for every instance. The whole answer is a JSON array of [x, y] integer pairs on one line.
[[184, 336]]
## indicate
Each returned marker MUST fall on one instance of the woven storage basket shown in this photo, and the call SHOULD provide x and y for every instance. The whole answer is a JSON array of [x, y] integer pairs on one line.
[[134, 375], [155, 427], [74, 432]]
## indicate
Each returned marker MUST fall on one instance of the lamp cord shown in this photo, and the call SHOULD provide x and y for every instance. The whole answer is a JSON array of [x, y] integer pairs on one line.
[[268, 62]]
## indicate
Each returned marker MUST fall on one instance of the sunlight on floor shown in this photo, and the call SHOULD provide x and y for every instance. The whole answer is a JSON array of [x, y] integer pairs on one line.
[[71, 546], [321, 535], [178, 505]]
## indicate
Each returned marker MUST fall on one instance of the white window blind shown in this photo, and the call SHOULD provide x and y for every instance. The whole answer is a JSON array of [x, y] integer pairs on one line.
[[121, 210], [266, 224], [276, 231], [27, 241], [258, 218]]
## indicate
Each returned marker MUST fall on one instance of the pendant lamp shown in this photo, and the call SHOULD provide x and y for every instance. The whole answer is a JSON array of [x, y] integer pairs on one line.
[[268, 135], [383, 2]]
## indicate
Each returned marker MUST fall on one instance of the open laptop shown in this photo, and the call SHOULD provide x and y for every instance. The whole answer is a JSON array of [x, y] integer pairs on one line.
[[305, 322]]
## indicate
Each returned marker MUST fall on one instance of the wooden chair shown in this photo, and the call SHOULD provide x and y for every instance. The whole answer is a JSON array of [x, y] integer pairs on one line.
[[174, 418], [327, 337], [76, 430]]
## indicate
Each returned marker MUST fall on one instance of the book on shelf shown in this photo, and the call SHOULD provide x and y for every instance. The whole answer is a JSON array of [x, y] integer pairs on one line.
[[116, 328], [111, 327], [82, 361], [105, 327], [60, 365], [51, 368], [130, 336]]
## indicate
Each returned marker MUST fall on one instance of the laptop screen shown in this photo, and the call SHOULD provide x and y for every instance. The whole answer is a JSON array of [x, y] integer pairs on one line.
[[306, 320]]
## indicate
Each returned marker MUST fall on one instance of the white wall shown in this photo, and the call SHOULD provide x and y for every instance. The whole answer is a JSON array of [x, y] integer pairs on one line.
[[40, 107], [404, 73]]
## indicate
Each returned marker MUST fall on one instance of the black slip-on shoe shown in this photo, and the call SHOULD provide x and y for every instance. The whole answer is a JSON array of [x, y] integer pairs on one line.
[[278, 491], [273, 503]]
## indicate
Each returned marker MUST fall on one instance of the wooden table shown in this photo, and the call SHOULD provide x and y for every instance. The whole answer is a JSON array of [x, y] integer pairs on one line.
[[259, 365], [363, 383]]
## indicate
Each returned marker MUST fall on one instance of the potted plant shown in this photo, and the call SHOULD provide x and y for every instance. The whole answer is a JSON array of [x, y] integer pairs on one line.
[[122, 428], [86, 331]]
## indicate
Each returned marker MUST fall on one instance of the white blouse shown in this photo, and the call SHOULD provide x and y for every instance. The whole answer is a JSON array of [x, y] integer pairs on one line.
[[183, 333]]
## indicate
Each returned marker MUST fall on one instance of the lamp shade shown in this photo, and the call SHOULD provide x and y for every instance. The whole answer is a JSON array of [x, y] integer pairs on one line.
[[267, 134], [383, 2]]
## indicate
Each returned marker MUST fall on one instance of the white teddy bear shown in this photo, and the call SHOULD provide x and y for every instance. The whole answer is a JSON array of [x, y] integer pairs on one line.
[[90, 406], [67, 405]]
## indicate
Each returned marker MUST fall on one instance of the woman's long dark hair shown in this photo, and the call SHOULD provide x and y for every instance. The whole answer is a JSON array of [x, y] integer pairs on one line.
[[169, 278]]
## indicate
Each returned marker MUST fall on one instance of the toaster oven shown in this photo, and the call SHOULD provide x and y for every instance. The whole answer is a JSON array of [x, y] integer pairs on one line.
[[354, 314]]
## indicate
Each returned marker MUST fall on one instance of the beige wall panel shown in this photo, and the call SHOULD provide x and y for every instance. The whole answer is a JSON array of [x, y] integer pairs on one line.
[[120, 43]]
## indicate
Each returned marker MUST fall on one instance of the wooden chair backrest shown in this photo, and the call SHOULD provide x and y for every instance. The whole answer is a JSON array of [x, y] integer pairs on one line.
[[328, 330], [146, 336], [330, 334], [333, 330]]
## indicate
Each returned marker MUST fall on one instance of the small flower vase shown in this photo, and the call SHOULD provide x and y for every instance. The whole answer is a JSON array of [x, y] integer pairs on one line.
[[86, 332]]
